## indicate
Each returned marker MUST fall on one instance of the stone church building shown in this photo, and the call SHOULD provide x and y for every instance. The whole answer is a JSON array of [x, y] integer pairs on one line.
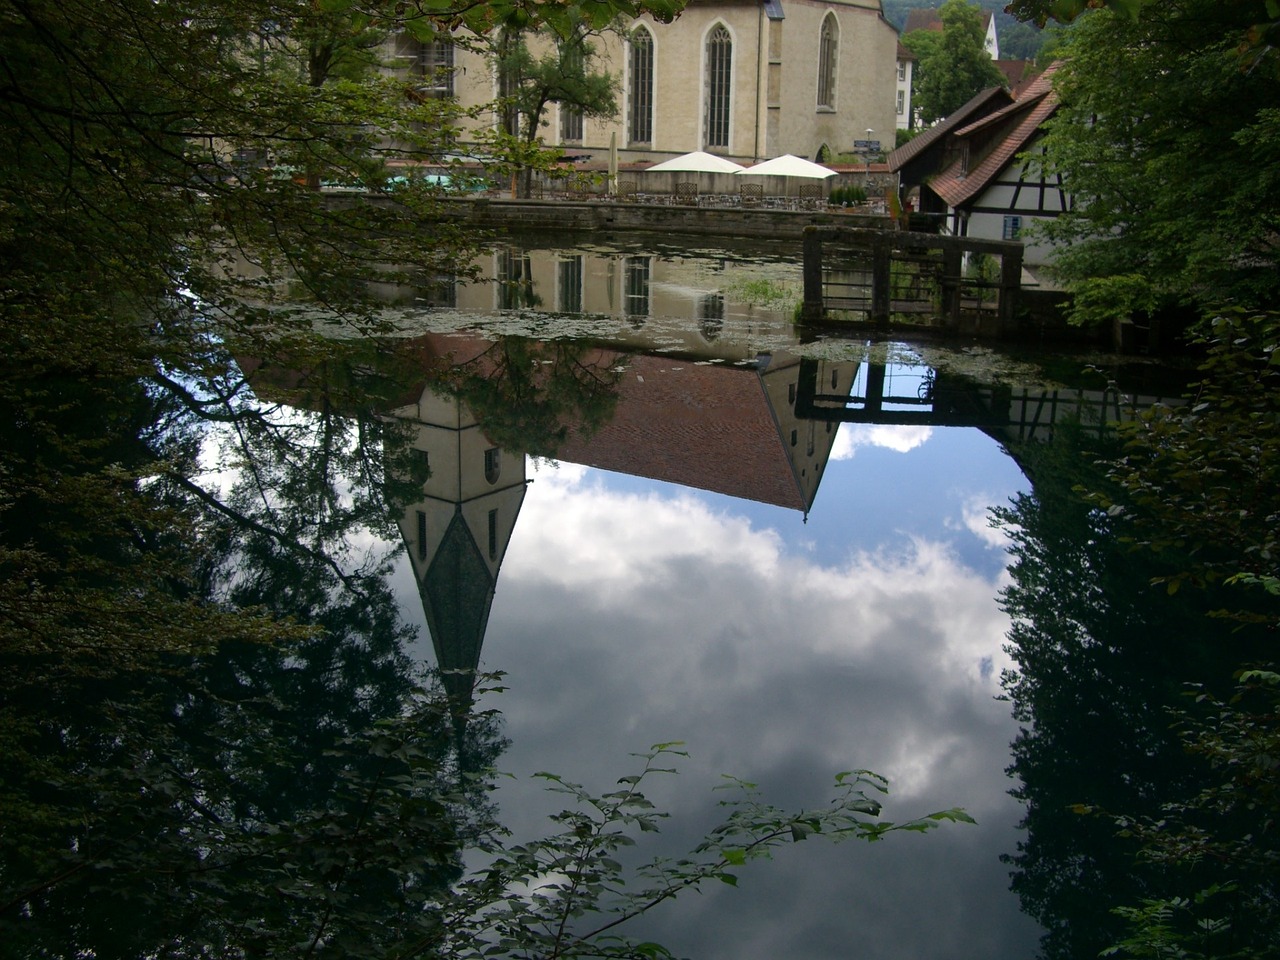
[[743, 79]]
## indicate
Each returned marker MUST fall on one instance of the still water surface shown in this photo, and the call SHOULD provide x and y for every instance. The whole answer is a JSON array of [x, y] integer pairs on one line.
[[791, 591]]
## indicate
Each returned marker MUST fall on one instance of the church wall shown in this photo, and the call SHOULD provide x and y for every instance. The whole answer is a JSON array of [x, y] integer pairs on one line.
[[774, 82], [865, 79]]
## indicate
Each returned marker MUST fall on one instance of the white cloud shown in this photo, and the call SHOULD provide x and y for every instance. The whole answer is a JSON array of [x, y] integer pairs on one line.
[[976, 518], [687, 612], [623, 619], [896, 438]]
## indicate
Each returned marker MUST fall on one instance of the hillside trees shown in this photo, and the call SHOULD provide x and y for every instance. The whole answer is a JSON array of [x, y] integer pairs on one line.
[[952, 65]]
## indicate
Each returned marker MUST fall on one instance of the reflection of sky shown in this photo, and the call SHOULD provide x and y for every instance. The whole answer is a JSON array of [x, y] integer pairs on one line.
[[630, 612]]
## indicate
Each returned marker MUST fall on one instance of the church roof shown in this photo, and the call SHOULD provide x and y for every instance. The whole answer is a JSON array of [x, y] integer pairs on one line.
[[698, 425], [457, 592], [931, 20]]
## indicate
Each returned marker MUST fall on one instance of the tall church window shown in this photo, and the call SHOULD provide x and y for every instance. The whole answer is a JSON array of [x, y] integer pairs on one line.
[[569, 298], [570, 123], [508, 84], [828, 49], [636, 288], [719, 87], [571, 60], [640, 89]]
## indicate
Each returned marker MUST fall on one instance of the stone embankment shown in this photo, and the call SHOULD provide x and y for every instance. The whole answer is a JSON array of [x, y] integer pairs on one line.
[[689, 220]]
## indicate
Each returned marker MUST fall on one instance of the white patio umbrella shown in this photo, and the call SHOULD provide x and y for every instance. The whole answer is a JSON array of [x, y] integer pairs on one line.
[[788, 165], [696, 162]]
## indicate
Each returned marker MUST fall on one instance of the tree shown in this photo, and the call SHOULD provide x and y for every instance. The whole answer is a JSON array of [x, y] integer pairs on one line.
[[1155, 839], [1020, 42], [192, 765], [1259, 36], [952, 65], [1101, 655], [564, 72], [1168, 138]]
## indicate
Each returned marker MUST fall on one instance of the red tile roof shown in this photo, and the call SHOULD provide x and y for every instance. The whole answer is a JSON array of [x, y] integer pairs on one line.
[[932, 20], [926, 138], [1018, 74], [955, 185], [698, 425]]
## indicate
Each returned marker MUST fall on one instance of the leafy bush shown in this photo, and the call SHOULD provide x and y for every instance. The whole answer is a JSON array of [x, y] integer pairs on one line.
[[847, 196]]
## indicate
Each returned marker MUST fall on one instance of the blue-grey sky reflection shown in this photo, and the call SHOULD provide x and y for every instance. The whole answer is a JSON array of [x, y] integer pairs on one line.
[[630, 612]]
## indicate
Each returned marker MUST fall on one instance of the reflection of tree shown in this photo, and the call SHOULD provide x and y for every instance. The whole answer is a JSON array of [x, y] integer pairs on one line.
[[528, 394], [1101, 656], [239, 785]]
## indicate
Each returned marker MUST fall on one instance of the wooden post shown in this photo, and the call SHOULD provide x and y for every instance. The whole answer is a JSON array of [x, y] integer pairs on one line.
[[1010, 288], [880, 280], [812, 308], [951, 260]]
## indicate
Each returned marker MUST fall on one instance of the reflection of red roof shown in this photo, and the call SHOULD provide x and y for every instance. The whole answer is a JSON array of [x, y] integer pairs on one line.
[[705, 426], [956, 185]]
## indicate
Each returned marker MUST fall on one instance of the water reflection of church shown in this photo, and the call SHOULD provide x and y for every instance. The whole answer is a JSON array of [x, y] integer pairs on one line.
[[724, 428], [759, 429]]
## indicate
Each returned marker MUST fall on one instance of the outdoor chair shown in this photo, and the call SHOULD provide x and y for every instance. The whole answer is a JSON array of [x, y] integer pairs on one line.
[[687, 192], [813, 195]]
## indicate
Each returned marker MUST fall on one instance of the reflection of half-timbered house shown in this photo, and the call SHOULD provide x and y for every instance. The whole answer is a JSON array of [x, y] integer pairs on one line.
[[727, 430]]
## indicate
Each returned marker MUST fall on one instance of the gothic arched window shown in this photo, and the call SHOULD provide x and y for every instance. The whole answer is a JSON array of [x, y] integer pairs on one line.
[[719, 87], [640, 89], [828, 50]]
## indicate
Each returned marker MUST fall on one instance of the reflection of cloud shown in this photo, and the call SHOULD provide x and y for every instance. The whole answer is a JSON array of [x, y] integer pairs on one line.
[[626, 619], [698, 593], [976, 518], [897, 438]]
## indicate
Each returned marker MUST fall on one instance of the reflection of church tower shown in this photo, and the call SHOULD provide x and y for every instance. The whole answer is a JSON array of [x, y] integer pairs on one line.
[[807, 442], [457, 534]]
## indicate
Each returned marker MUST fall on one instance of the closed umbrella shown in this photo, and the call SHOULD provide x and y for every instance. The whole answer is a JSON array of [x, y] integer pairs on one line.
[[613, 162]]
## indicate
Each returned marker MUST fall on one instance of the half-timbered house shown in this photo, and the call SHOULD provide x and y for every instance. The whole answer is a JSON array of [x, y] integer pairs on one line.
[[995, 185]]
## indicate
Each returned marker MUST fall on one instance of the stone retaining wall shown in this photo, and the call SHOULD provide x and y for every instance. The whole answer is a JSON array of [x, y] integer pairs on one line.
[[660, 218]]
